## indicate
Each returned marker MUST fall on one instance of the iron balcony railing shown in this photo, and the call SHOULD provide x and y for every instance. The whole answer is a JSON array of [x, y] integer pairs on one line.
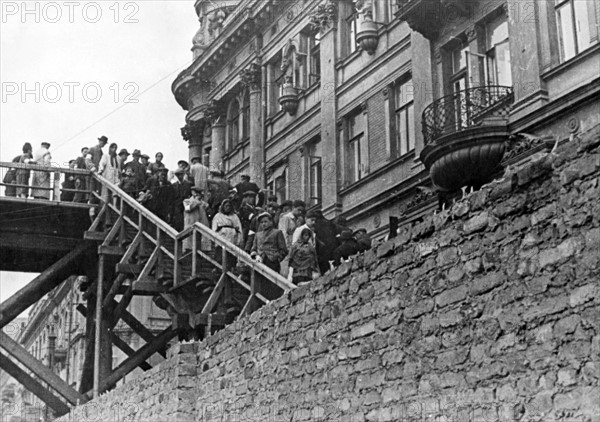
[[465, 109]]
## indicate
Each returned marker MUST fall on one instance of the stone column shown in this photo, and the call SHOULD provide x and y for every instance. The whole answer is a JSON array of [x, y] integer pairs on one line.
[[421, 57], [251, 78], [325, 19], [217, 145]]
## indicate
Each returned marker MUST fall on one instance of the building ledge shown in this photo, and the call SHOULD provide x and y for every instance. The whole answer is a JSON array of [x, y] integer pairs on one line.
[[563, 67]]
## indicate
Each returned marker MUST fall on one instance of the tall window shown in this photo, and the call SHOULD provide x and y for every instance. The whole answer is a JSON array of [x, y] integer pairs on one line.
[[405, 116], [281, 187], [573, 25], [498, 53], [274, 83], [459, 80], [314, 57], [352, 24], [233, 124], [315, 173], [356, 132], [245, 116]]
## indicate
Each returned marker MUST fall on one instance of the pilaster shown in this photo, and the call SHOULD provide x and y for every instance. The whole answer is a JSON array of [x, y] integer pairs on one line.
[[325, 20], [251, 79]]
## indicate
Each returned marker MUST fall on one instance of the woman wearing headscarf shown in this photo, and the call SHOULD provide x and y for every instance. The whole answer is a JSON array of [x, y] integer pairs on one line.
[[23, 174], [110, 169], [227, 224]]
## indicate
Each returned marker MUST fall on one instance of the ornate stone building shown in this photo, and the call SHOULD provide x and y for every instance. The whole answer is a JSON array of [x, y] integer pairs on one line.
[[54, 333], [351, 105]]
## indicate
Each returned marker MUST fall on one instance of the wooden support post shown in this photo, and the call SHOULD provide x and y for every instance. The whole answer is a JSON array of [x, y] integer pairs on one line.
[[53, 276], [44, 373], [33, 385], [194, 253], [98, 336], [141, 355], [116, 340]]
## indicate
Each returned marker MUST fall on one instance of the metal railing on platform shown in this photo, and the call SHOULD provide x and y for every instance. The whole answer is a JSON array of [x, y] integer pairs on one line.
[[34, 181]]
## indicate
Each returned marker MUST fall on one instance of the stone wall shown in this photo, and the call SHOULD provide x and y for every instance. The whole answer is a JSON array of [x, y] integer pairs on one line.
[[487, 311]]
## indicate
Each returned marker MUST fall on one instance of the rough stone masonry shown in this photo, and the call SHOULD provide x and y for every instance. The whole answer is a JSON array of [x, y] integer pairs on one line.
[[487, 311]]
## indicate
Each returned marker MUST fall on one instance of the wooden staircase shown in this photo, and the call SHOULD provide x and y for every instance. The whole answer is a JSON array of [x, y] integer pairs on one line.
[[200, 279]]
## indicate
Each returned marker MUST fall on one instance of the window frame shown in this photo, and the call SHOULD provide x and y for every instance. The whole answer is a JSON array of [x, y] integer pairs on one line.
[[355, 148], [352, 24], [234, 114], [574, 32], [404, 110]]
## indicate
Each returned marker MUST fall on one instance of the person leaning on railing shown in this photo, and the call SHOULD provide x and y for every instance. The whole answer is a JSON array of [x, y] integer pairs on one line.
[[23, 174], [40, 182]]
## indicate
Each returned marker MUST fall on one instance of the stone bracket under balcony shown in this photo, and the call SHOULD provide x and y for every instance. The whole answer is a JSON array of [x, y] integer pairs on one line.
[[429, 16]]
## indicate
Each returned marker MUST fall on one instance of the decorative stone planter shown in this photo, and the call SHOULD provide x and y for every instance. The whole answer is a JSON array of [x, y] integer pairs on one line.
[[367, 36], [289, 99]]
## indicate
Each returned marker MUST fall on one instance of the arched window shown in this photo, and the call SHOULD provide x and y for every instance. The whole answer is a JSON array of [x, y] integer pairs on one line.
[[233, 124]]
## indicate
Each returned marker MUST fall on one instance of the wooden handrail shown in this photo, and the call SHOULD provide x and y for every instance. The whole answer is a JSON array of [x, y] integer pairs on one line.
[[124, 196], [205, 231], [241, 255]]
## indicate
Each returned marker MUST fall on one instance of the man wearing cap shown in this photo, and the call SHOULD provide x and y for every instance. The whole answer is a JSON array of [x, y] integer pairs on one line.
[[246, 185], [41, 179], [68, 185], [268, 246], [309, 223], [139, 171], [182, 190], [348, 247], [145, 161], [363, 239], [162, 196], [199, 173], [218, 189], [123, 155]]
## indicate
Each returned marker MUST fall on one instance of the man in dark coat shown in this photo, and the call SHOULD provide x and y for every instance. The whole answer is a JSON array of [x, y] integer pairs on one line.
[[93, 158], [326, 240], [347, 248], [182, 189], [139, 171], [248, 214], [246, 185], [218, 189], [162, 196]]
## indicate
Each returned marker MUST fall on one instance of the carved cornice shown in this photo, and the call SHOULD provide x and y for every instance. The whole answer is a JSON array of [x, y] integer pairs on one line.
[[251, 76], [325, 16], [520, 144]]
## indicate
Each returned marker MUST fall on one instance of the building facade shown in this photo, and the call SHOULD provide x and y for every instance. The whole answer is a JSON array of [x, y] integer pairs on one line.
[[54, 333], [342, 103]]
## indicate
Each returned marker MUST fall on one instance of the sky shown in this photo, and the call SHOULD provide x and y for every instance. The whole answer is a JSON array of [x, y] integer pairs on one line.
[[72, 71]]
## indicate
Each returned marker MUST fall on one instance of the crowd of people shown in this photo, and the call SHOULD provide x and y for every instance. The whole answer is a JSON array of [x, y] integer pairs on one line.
[[298, 244]]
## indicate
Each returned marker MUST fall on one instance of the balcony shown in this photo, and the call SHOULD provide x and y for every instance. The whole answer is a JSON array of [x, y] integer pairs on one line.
[[429, 16], [465, 135]]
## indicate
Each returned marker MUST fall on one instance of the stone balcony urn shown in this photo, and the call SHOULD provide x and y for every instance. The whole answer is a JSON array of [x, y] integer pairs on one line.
[[289, 99], [367, 36]]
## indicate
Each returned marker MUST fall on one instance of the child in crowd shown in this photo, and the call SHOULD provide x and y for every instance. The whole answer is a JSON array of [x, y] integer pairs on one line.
[[269, 244], [303, 259]]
